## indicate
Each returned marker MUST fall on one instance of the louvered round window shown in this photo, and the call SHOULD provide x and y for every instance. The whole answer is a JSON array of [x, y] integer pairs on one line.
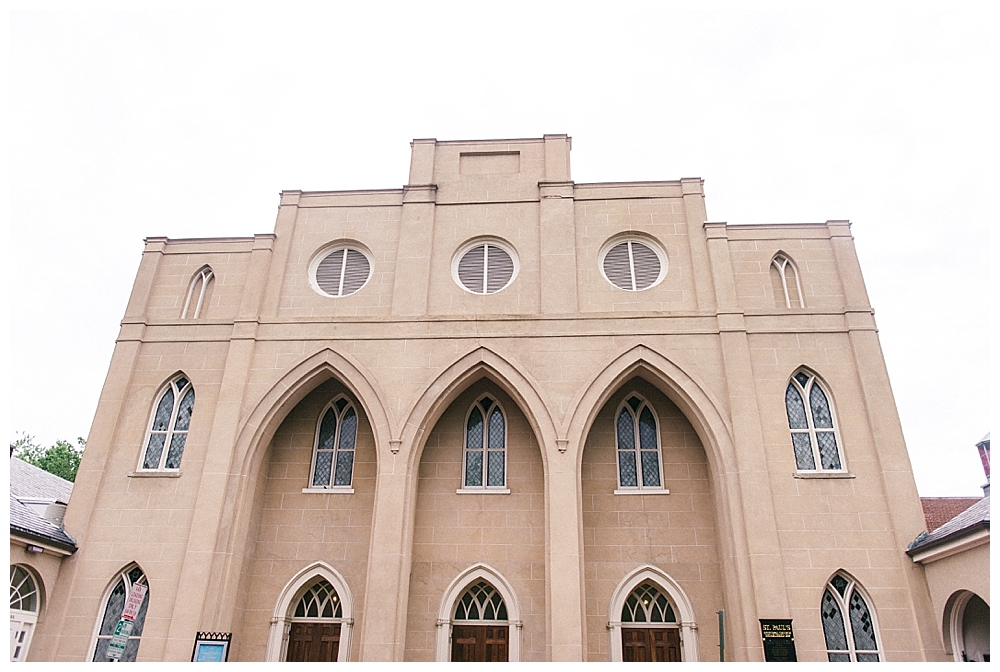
[[342, 272], [485, 268], [633, 265]]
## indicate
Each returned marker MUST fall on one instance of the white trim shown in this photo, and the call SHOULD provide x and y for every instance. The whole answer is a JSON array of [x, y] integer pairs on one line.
[[326, 251], [637, 448], [484, 488], [339, 417], [332, 490], [22, 621], [455, 590], [952, 547], [784, 280], [476, 242], [843, 603], [483, 491], [281, 619], [205, 274], [811, 430], [641, 491], [634, 237], [675, 594], [179, 394]]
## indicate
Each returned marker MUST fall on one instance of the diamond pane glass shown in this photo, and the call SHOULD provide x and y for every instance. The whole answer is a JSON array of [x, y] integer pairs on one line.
[[804, 459], [113, 610], [349, 430], [626, 431], [474, 430], [838, 657], [345, 467], [495, 468], [833, 623], [153, 451], [327, 431], [647, 430], [473, 468], [828, 455], [820, 408], [496, 429], [163, 411], [184, 411], [626, 469], [321, 473], [176, 450], [650, 469], [861, 624], [795, 408], [867, 657]]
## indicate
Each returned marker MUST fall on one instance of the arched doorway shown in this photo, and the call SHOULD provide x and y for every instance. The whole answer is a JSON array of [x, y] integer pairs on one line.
[[479, 619], [313, 618], [650, 619], [970, 628], [24, 607]]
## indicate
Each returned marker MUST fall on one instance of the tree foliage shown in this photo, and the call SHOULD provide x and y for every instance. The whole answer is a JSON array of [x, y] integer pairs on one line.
[[61, 459]]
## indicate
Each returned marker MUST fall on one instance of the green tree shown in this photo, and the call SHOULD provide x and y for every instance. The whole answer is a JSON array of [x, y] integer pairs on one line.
[[61, 459]]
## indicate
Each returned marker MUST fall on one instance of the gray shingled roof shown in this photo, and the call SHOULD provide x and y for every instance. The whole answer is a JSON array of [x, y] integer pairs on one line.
[[28, 482], [975, 517]]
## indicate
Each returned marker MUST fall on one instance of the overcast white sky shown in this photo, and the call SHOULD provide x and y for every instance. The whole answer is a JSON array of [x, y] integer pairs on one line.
[[188, 124]]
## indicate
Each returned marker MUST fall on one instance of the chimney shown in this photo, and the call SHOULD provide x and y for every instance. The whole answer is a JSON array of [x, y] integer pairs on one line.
[[55, 513]]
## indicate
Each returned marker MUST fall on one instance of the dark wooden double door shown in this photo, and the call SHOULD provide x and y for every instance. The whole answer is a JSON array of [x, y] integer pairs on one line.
[[313, 642], [651, 645], [479, 643]]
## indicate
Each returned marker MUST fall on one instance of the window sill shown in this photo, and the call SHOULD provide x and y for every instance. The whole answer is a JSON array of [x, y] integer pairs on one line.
[[174, 473], [483, 491], [823, 474], [335, 490], [643, 491]]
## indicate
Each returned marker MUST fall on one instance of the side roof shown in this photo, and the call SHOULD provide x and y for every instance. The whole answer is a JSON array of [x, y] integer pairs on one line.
[[29, 482], [976, 517]]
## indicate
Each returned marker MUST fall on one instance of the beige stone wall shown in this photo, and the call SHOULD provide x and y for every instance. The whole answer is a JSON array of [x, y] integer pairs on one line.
[[44, 568], [455, 531], [745, 534], [969, 571], [294, 529], [674, 532]]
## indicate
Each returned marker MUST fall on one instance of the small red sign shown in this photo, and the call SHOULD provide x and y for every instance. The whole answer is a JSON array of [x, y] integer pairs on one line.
[[134, 602]]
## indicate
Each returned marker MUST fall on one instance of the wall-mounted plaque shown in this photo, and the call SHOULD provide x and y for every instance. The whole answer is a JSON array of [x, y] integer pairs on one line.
[[211, 647], [779, 642]]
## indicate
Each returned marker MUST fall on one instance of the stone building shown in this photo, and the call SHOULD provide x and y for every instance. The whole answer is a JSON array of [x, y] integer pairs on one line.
[[496, 414]]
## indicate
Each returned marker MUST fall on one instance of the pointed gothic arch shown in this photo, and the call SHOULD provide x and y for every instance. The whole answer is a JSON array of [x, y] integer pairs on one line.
[[453, 593], [785, 283], [297, 586], [683, 611], [199, 293]]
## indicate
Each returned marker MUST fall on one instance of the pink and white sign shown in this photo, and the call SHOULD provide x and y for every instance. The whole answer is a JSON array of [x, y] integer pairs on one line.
[[134, 602]]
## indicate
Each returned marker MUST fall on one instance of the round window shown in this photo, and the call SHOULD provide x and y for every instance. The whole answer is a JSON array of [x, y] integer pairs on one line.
[[633, 265], [342, 271], [485, 268]]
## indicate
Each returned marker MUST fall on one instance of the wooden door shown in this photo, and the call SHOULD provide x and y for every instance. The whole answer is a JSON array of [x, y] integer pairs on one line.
[[651, 645], [313, 642], [479, 643]]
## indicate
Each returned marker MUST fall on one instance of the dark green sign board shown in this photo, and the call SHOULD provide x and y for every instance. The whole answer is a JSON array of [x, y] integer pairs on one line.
[[779, 642]]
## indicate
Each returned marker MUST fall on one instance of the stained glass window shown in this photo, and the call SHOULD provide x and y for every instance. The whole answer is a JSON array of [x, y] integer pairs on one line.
[[113, 613], [320, 601], [638, 444], [169, 426], [814, 432], [646, 604], [485, 446], [336, 440], [481, 602], [848, 623]]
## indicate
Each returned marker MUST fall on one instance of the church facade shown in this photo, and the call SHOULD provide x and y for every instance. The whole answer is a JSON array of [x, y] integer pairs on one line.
[[497, 415]]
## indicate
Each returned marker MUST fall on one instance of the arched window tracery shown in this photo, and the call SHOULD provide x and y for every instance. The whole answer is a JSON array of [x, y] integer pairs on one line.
[[335, 445], [637, 438], [785, 283], [24, 607], [114, 603], [849, 626], [485, 446], [199, 292], [168, 428], [815, 438]]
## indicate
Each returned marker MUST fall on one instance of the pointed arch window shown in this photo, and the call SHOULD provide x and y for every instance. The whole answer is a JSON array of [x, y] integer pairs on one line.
[[813, 426], [315, 632], [168, 428], [637, 438], [480, 628], [785, 283], [198, 294], [485, 448], [24, 608], [112, 613], [849, 625], [336, 440]]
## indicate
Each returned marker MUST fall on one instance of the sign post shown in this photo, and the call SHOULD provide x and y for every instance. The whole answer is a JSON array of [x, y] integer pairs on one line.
[[779, 642], [116, 647]]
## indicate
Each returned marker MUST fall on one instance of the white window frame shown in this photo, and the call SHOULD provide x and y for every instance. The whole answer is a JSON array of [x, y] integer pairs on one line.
[[646, 241], [488, 242], [811, 429], [781, 262], [641, 488], [484, 488], [683, 610], [179, 393], [843, 603], [325, 252], [23, 621], [199, 282], [331, 488]]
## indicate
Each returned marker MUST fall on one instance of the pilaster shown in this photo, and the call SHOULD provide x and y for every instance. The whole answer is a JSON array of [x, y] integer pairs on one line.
[[695, 215], [564, 567], [416, 233]]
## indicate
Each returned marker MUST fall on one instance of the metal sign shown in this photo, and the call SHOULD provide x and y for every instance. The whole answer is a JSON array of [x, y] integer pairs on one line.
[[134, 601], [779, 642], [116, 647]]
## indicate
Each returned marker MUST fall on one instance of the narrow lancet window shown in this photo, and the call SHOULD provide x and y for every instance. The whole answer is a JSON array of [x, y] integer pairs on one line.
[[814, 432], [336, 439], [198, 294], [785, 283], [485, 446], [638, 442], [169, 426], [848, 623]]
